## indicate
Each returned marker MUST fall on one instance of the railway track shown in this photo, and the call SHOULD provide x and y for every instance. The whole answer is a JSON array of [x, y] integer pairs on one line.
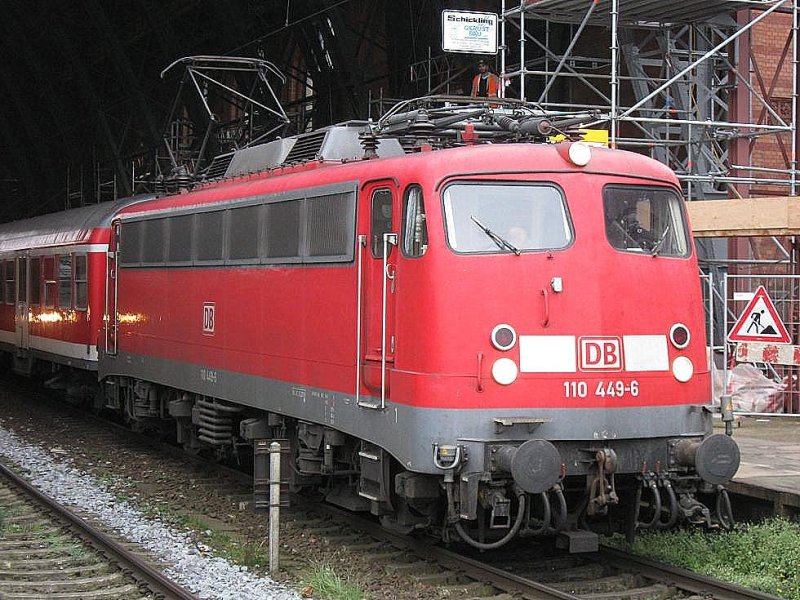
[[393, 562], [47, 549], [536, 572]]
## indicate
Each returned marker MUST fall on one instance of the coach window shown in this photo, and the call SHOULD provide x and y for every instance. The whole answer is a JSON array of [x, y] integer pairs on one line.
[[9, 282], [36, 280], [415, 227], [645, 220], [22, 281], [48, 273], [65, 281], [283, 231], [81, 282], [381, 219]]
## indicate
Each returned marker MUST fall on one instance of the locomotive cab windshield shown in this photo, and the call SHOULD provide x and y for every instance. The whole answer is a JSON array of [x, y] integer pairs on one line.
[[502, 217], [645, 220]]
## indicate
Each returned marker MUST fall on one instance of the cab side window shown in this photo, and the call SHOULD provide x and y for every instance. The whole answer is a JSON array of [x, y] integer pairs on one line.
[[381, 220], [415, 226]]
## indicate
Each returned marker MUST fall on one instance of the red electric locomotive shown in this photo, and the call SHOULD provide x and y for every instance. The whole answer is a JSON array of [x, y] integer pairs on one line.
[[477, 338]]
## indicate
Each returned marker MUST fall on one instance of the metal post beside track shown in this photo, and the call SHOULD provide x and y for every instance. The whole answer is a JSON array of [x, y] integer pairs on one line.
[[274, 506]]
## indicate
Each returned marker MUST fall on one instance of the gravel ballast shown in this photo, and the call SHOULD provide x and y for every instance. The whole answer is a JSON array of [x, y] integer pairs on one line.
[[204, 575]]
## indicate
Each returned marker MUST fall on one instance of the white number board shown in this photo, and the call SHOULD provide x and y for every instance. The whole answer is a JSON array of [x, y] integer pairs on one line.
[[470, 32]]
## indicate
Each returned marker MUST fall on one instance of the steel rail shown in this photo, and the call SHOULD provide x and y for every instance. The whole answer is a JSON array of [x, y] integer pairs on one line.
[[681, 578], [475, 569], [142, 572]]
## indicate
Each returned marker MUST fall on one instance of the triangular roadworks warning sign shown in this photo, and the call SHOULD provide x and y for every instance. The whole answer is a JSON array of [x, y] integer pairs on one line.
[[759, 322]]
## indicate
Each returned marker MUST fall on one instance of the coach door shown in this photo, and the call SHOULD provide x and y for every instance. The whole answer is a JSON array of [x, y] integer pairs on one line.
[[110, 318], [22, 318], [377, 261]]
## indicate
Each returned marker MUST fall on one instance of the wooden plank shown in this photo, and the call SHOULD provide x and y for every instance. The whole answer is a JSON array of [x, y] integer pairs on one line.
[[745, 217]]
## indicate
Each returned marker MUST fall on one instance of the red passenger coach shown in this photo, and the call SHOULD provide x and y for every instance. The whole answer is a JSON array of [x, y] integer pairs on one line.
[[464, 332], [48, 309]]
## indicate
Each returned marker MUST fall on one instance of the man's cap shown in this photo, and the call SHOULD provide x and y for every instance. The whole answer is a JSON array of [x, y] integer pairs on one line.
[[481, 62]]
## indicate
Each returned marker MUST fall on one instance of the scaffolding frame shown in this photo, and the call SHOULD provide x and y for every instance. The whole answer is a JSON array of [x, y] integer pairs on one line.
[[683, 86]]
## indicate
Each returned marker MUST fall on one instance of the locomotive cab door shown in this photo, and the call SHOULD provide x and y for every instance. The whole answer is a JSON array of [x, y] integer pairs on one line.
[[110, 319], [377, 266]]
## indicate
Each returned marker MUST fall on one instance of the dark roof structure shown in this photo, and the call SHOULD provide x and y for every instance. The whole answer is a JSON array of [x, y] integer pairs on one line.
[[86, 115], [83, 108]]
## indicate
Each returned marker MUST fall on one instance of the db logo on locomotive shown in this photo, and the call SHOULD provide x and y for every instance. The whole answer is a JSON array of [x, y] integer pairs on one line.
[[600, 354], [209, 318]]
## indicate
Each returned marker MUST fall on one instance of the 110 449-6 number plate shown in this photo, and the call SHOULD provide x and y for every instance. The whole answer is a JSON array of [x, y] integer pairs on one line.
[[601, 389]]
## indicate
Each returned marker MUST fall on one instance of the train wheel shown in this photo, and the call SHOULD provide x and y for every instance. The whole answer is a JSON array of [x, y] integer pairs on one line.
[[403, 519], [407, 514]]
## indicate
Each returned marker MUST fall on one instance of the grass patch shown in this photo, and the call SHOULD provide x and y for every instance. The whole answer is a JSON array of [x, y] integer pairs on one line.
[[327, 583], [5, 514], [763, 556], [65, 544], [191, 522], [25, 527], [242, 552]]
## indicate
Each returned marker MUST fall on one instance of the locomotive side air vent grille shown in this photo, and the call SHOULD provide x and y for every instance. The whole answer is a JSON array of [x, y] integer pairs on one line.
[[218, 166], [306, 148]]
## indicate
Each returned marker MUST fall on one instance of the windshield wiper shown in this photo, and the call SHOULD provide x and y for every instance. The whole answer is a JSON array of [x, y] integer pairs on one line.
[[657, 246], [501, 243]]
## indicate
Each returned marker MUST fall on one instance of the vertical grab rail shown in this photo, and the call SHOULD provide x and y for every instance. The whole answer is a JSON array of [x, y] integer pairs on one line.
[[115, 315], [106, 316], [110, 320], [362, 243], [388, 239]]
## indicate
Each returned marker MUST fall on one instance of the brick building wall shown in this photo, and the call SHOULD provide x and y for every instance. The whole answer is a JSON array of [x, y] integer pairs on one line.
[[771, 75]]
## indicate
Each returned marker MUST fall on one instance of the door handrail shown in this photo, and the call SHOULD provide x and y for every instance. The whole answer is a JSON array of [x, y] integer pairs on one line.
[[362, 244], [388, 239]]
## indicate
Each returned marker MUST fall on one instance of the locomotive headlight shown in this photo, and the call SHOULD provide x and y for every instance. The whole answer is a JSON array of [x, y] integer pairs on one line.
[[580, 154], [504, 337], [679, 336], [504, 371], [682, 369]]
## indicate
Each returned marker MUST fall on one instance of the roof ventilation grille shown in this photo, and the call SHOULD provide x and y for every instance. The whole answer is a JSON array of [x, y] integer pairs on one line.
[[218, 167], [306, 148]]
